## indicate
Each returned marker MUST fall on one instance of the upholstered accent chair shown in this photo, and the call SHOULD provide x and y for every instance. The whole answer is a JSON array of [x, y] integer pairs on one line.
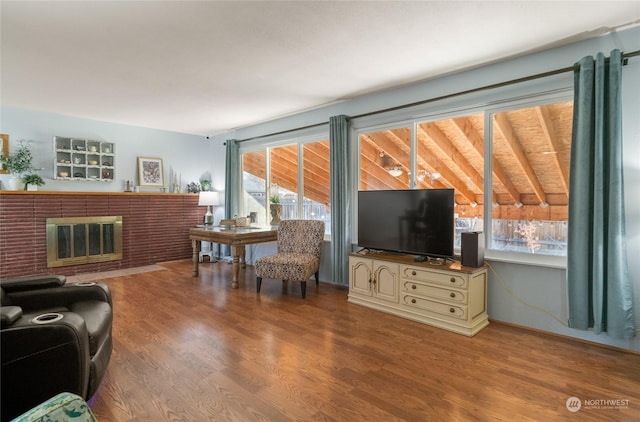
[[298, 257]]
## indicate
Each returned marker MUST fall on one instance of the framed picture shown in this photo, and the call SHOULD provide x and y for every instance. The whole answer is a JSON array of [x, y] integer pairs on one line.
[[150, 172], [4, 150]]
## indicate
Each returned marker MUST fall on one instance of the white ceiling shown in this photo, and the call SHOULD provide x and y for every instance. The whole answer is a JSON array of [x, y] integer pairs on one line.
[[208, 67]]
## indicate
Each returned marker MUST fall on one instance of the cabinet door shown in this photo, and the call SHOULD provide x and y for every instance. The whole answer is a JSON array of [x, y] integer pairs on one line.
[[385, 281], [360, 276]]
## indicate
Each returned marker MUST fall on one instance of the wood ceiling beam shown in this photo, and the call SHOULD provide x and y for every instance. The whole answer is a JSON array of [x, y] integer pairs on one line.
[[371, 171], [444, 144], [503, 125], [396, 147], [544, 116], [465, 126], [447, 177], [285, 173], [318, 150], [316, 189]]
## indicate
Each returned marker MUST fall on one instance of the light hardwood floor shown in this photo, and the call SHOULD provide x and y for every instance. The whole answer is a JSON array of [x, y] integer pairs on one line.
[[193, 349]]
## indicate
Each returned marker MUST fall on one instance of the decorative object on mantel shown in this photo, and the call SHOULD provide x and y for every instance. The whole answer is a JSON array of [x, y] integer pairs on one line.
[[32, 181], [18, 164], [193, 187], [206, 185], [128, 185], [150, 172], [175, 182], [209, 199]]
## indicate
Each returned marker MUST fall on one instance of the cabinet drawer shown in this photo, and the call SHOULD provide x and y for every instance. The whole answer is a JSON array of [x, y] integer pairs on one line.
[[436, 292], [421, 274], [453, 311]]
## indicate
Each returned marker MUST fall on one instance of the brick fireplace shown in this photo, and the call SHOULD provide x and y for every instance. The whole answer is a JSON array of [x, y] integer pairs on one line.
[[155, 228]]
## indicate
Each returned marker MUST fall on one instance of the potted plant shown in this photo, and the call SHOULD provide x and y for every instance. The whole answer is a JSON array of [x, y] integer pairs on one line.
[[18, 163], [276, 210], [32, 181]]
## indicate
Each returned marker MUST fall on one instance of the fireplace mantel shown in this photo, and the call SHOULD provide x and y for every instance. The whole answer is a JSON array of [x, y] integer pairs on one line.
[[155, 227]]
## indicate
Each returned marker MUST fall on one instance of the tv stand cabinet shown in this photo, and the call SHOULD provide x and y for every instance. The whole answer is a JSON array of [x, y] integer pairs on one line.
[[445, 295]]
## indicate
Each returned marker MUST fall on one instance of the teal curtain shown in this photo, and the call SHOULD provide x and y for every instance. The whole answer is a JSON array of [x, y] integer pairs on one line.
[[231, 183], [340, 197], [600, 295], [232, 179]]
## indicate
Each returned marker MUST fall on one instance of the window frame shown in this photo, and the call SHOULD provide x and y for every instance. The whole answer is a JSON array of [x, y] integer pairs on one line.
[[551, 261]]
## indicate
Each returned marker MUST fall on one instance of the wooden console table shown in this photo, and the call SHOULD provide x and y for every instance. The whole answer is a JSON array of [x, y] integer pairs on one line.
[[444, 295], [236, 237]]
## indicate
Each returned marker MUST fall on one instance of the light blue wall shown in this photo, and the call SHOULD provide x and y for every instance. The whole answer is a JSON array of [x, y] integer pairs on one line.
[[191, 157], [527, 295]]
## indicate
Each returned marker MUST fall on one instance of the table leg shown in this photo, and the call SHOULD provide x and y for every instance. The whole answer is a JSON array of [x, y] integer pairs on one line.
[[243, 255], [195, 244], [235, 251]]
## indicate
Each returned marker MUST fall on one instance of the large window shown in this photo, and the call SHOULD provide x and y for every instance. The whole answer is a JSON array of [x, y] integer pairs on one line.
[[297, 173], [531, 153], [527, 163]]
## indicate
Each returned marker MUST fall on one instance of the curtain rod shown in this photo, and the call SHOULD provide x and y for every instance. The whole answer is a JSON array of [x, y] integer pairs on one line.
[[625, 56]]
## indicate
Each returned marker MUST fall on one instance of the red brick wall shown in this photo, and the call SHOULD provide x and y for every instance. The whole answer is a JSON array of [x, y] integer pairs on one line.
[[155, 228]]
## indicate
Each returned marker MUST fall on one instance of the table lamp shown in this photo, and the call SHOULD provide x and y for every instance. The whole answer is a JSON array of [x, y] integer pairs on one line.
[[209, 199]]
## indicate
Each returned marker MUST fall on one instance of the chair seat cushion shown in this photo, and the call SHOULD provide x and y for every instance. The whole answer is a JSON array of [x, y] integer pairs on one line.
[[97, 316], [63, 407], [287, 266]]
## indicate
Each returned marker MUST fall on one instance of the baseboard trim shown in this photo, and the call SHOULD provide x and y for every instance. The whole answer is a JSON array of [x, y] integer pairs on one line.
[[565, 337]]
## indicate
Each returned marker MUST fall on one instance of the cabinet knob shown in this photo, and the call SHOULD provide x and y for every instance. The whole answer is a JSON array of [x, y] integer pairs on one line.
[[453, 280], [452, 310], [413, 301], [413, 273], [452, 294], [414, 287]]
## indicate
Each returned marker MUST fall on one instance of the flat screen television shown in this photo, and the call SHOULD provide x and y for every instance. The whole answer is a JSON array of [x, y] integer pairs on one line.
[[417, 221]]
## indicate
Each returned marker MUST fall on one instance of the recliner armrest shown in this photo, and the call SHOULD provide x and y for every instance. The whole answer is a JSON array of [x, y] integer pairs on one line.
[[9, 315], [32, 282], [63, 296]]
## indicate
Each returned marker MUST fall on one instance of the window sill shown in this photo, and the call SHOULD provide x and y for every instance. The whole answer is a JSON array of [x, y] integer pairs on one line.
[[549, 261]]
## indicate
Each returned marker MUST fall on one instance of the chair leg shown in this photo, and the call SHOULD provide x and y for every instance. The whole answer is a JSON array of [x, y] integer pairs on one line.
[[317, 275], [303, 288], [258, 284]]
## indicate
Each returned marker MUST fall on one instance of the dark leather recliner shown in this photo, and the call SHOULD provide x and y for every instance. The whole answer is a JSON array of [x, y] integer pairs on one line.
[[55, 337]]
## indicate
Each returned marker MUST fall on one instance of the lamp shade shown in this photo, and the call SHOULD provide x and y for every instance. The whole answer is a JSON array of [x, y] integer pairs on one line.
[[209, 198]]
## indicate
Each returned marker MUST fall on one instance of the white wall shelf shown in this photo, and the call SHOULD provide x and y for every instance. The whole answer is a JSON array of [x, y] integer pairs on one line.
[[83, 159]]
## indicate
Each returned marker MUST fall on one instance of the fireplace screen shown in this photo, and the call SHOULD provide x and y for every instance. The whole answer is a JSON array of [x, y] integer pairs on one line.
[[81, 240]]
